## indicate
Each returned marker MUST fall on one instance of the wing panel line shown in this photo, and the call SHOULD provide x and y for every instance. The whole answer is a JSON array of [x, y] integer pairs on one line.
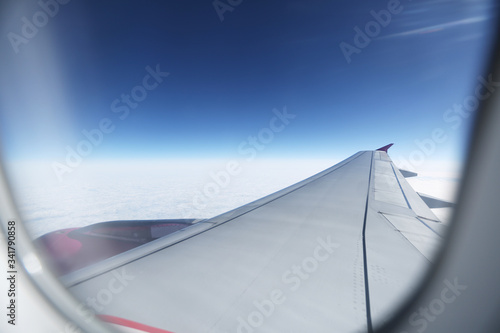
[[434, 231], [400, 187], [365, 264], [402, 235]]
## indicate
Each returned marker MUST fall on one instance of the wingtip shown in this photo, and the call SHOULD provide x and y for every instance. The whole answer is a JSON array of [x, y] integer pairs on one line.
[[385, 148]]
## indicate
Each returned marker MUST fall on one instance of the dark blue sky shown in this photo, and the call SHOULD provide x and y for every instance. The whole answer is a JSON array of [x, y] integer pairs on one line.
[[227, 76]]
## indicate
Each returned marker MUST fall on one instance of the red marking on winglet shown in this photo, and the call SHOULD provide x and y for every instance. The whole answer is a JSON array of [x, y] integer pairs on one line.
[[131, 324], [385, 148]]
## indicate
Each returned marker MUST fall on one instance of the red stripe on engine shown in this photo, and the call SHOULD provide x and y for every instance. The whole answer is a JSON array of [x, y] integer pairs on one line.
[[131, 324]]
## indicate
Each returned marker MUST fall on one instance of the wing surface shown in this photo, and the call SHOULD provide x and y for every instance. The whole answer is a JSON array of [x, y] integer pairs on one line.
[[333, 253]]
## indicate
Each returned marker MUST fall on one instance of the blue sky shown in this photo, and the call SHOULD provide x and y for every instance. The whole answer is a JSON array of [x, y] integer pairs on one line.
[[226, 77]]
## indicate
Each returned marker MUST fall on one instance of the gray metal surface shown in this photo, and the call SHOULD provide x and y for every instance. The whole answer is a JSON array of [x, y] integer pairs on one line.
[[337, 252]]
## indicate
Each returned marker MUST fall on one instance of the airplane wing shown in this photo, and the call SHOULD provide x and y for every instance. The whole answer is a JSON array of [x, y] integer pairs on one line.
[[333, 253]]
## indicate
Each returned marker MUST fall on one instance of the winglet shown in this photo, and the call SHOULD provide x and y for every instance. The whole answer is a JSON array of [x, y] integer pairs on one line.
[[385, 148]]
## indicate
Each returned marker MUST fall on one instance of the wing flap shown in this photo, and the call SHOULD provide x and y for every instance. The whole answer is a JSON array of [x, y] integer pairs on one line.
[[408, 174], [433, 202], [394, 267]]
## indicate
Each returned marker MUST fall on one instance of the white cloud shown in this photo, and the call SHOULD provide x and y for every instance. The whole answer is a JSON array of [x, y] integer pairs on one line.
[[97, 192], [126, 190], [437, 27]]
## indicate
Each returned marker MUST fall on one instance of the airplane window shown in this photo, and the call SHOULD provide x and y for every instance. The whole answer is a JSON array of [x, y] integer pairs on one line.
[[169, 153]]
